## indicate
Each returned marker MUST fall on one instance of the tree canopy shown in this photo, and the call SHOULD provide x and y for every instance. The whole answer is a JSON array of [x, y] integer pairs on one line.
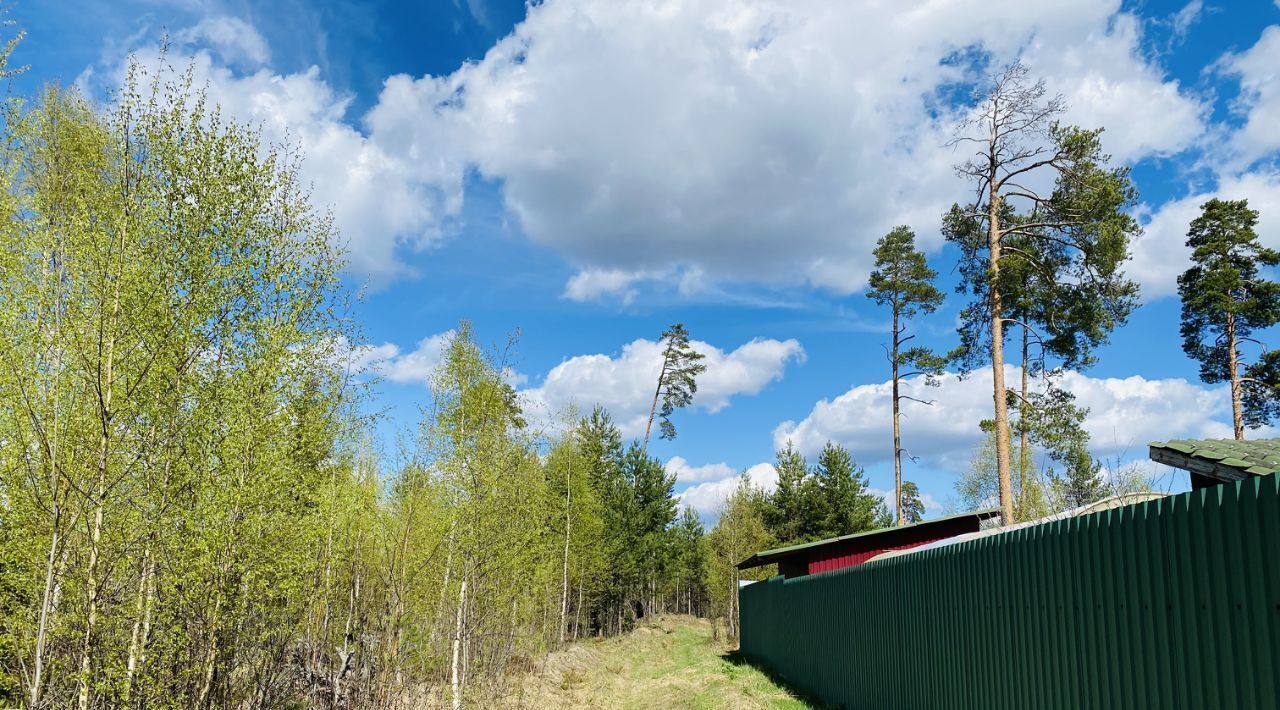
[[1028, 254], [1225, 298]]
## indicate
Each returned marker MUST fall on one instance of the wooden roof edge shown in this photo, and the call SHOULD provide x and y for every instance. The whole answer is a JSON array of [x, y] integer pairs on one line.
[[1215, 469]]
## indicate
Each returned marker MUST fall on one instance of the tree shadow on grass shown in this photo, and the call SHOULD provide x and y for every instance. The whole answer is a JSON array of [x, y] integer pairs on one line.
[[737, 659]]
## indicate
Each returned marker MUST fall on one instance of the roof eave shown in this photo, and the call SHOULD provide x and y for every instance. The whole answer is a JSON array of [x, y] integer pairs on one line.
[[766, 557]]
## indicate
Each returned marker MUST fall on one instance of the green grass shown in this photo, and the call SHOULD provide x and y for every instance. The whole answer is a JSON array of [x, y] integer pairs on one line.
[[673, 662]]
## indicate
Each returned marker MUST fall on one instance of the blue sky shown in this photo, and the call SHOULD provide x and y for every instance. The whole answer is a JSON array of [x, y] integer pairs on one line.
[[586, 173]]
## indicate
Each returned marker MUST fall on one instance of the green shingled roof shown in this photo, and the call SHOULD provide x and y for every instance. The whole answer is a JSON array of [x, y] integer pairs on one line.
[[1258, 457]]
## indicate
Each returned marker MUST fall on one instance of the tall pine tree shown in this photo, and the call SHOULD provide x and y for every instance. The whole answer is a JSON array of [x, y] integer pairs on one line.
[[1224, 300], [1081, 223], [913, 506], [903, 281]]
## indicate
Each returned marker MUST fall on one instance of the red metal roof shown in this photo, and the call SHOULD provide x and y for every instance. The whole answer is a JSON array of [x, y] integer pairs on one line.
[[849, 550]]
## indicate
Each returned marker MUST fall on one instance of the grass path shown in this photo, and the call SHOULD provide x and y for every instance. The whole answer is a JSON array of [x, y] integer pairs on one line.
[[672, 662]]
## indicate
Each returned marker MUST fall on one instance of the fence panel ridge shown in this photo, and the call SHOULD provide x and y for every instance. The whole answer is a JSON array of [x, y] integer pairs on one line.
[[1168, 603]]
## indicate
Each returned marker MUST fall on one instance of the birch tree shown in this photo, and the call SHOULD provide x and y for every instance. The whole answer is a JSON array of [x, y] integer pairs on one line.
[[168, 290], [739, 532]]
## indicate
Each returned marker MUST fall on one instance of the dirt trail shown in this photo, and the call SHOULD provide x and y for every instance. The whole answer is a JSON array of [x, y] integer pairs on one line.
[[672, 662]]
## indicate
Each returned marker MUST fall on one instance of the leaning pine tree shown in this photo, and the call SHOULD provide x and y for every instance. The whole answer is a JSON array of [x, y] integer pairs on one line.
[[677, 381], [1224, 300], [903, 281], [1019, 144]]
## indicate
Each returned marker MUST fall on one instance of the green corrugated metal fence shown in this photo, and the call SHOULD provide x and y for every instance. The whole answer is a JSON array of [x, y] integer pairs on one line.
[[1173, 603]]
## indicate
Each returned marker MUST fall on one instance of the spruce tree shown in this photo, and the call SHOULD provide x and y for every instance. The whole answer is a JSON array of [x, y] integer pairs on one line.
[[1224, 300], [602, 453], [691, 562], [903, 281], [791, 509], [844, 503], [653, 511]]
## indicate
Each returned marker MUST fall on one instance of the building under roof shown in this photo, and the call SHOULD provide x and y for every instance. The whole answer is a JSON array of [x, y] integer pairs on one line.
[[850, 550], [1214, 461]]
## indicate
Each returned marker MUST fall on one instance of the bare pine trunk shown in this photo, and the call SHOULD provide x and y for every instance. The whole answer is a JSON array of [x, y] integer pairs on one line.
[[1024, 456], [1233, 361], [653, 408], [997, 356], [897, 433]]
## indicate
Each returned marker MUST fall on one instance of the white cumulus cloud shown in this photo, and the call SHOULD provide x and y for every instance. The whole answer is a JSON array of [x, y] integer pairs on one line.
[[688, 473], [708, 498], [1259, 100], [590, 284], [390, 362], [1124, 415], [746, 139], [688, 143], [236, 40], [624, 384]]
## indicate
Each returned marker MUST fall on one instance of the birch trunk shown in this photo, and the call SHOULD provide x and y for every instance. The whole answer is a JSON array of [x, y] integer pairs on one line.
[[52, 583], [91, 585], [105, 387], [454, 676], [210, 662], [568, 517], [344, 655], [46, 609], [142, 624], [577, 612]]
